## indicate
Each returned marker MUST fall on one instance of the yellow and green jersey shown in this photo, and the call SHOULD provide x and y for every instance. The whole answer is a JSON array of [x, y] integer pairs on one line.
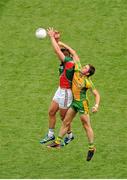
[[80, 84]]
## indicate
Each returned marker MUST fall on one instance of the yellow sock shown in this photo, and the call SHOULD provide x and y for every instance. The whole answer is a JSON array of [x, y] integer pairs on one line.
[[91, 146], [58, 140]]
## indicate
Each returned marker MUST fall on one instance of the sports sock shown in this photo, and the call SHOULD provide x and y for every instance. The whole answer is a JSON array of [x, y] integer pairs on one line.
[[91, 146], [51, 132], [69, 135], [58, 140]]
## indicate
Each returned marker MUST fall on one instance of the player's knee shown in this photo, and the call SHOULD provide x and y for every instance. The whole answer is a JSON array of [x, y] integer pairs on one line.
[[51, 112]]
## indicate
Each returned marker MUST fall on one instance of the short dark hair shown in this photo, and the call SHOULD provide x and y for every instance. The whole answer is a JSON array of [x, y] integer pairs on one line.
[[66, 51], [91, 70]]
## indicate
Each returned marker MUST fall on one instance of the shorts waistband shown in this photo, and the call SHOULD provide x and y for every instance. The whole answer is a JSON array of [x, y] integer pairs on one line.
[[64, 88]]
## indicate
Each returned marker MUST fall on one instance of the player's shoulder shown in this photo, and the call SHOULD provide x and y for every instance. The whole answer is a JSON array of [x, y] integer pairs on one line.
[[89, 83], [78, 66]]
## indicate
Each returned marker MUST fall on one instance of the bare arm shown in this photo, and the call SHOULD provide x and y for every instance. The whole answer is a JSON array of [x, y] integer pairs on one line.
[[72, 51], [97, 100], [55, 45]]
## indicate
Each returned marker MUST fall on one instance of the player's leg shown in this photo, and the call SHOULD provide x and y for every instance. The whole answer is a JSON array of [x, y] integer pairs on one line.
[[69, 135], [67, 121], [64, 128], [54, 107], [62, 113], [87, 126], [65, 102], [90, 134]]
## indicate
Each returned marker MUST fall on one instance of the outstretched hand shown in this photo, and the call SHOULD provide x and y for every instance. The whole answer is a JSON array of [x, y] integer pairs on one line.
[[51, 32]]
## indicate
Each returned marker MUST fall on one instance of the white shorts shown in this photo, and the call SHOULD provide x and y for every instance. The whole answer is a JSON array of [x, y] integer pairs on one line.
[[63, 97]]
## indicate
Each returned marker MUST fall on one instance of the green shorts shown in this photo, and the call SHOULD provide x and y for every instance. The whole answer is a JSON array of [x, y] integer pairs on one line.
[[80, 106]]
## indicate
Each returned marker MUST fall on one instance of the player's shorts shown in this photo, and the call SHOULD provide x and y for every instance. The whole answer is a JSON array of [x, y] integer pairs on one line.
[[80, 106], [63, 97]]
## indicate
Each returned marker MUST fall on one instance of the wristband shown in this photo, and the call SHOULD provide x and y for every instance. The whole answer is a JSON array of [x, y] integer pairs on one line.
[[96, 105]]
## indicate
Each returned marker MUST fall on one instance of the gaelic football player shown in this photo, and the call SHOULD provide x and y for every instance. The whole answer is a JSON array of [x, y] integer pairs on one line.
[[63, 96], [80, 85]]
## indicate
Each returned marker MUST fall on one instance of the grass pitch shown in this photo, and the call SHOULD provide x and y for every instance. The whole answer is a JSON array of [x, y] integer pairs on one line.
[[96, 29]]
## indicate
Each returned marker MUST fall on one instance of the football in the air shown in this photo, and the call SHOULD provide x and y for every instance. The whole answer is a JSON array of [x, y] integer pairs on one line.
[[40, 33]]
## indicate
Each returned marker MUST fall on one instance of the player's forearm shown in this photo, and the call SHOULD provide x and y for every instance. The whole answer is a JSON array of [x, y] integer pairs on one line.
[[57, 49], [97, 101], [55, 45], [97, 98]]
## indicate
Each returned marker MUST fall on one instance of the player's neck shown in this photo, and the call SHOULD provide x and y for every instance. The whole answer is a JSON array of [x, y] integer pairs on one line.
[[82, 75]]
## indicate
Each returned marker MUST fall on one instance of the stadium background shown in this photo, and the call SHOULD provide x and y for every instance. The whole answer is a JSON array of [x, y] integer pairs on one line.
[[96, 29]]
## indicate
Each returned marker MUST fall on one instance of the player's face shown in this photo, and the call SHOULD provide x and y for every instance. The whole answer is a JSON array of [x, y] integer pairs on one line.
[[66, 53], [85, 70]]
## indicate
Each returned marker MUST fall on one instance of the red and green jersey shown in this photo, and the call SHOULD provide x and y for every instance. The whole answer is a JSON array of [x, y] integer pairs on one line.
[[66, 71], [80, 84]]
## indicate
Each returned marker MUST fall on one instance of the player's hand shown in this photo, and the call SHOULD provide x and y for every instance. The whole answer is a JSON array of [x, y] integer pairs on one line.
[[50, 32], [95, 109], [57, 35]]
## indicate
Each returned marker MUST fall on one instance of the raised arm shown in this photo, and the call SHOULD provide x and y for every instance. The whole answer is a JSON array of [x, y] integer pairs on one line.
[[72, 51], [55, 45]]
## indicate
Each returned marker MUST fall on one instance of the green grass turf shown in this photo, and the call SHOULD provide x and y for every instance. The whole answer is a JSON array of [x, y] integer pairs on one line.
[[96, 29]]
